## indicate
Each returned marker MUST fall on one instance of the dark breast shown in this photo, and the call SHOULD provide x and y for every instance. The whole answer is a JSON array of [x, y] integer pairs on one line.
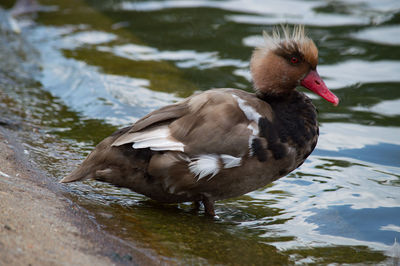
[[294, 124]]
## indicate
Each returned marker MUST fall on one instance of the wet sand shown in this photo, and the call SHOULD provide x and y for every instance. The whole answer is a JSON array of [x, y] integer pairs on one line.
[[40, 226]]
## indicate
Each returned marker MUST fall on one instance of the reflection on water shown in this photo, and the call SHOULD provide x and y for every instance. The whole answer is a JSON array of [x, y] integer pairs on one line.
[[381, 35], [89, 67], [373, 225]]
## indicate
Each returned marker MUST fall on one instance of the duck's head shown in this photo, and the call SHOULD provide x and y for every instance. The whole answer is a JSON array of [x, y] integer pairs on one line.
[[286, 60]]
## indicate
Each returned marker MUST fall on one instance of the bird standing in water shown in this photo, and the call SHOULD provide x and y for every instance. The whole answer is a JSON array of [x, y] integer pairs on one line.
[[221, 143]]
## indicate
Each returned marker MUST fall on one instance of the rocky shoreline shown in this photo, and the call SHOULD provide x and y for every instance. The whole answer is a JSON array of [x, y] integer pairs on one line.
[[40, 226]]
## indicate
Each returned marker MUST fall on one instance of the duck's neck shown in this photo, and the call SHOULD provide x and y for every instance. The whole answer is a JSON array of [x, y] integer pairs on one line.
[[272, 97]]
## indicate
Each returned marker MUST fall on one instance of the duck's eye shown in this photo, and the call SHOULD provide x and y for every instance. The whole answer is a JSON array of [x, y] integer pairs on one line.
[[294, 60]]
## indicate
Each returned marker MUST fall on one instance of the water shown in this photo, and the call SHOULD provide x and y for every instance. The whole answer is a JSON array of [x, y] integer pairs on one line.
[[85, 68]]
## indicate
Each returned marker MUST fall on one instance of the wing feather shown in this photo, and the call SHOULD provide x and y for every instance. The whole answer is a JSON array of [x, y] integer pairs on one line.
[[161, 115], [214, 122]]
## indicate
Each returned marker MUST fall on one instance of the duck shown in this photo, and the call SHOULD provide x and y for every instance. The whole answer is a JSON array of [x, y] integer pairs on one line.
[[221, 143]]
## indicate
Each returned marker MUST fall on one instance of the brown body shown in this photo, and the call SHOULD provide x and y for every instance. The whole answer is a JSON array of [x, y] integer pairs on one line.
[[221, 143]]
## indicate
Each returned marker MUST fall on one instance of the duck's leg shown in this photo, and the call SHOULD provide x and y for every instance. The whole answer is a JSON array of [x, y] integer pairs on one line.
[[196, 205], [208, 206]]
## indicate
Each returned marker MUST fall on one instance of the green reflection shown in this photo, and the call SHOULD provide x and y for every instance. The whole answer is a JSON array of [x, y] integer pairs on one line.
[[337, 254], [162, 76], [183, 233]]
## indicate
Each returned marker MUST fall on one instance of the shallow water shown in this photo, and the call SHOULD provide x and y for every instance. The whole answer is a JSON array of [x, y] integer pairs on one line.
[[85, 68]]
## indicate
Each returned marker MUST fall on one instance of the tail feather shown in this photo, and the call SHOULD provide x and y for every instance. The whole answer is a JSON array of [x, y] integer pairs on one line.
[[77, 175]]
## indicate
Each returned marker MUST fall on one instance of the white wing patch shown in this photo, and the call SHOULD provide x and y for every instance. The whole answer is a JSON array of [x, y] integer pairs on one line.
[[251, 138], [204, 165], [254, 128], [253, 116], [210, 164], [249, 111], [157, 139], [230, 161]]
